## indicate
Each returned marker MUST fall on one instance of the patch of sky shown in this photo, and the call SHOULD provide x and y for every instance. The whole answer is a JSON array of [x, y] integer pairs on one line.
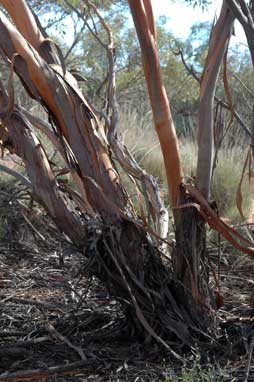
[[179, 17]]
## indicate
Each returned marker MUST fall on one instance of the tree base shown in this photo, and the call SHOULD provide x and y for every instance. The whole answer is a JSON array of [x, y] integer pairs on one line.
[[143, 280]]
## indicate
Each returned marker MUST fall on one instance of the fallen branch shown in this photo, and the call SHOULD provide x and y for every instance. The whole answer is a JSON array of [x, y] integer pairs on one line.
[[38, 374], [40, 304], [250, 353], [50, 328]]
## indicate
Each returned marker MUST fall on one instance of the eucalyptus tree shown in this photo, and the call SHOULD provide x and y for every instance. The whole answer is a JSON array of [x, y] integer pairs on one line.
[[166, 296]]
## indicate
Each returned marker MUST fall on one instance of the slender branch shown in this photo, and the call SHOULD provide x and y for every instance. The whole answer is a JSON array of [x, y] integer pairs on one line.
[[101, 19], [224, 104], [74, 43], [110, 49], [55, 333], [243, 85], [81, 15], [189, 69], [17, 175], [236, 9]]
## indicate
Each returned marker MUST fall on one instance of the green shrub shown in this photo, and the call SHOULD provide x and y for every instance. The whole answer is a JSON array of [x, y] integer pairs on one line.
[[196, 370]]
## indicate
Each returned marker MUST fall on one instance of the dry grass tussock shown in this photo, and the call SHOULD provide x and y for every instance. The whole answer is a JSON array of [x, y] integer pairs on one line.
[[139, 136]]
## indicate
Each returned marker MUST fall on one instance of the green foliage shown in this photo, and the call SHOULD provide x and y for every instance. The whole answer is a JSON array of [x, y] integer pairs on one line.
[[196, 371], [198, 3]]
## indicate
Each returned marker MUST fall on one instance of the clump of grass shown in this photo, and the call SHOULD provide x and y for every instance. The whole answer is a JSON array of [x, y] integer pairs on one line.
[[7, 185], [196, 370], [226, 179], [140, 137], [188, 152]]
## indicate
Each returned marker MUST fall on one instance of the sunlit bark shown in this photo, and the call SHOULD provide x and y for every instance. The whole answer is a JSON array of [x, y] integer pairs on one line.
[[43, 184], [24, 21], [73, 116], [144, 24]]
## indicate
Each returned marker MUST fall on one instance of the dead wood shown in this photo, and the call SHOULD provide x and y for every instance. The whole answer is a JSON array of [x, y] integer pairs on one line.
[[37, 374]]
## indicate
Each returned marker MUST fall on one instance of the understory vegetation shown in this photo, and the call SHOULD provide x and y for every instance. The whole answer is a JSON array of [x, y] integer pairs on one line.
[[138, 135]]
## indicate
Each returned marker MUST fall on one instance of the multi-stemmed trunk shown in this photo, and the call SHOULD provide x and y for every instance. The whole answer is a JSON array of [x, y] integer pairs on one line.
[[158, 298]]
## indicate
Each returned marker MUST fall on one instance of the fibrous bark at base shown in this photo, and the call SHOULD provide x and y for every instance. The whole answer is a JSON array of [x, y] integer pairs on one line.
[[190, 258], [144, 282]]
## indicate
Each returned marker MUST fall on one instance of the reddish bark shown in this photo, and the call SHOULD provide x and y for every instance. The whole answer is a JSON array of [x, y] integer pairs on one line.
[[144, 24]]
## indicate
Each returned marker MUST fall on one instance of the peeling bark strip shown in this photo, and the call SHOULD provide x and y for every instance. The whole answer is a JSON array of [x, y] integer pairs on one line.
[[144, 23], [155, 207], [72, 115], [24, 21], [47, 191], [219, 38], [210, 217]]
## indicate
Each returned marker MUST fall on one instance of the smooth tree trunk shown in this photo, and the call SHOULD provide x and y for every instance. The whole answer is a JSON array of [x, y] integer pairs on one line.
[[192, 267], [143, 18], [218, 43]]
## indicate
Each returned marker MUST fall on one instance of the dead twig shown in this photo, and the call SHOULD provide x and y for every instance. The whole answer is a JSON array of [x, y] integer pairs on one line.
[[38, 374], [33, 227], [250, 351], [40, 304], [50, 328]]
